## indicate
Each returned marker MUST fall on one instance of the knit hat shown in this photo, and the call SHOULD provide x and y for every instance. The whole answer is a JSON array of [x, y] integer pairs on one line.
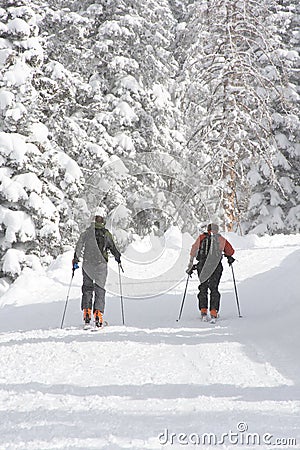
[[213, 227]]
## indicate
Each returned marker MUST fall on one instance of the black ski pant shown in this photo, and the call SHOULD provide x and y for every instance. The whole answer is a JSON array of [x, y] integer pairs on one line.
[[89, 287], [212, 283]]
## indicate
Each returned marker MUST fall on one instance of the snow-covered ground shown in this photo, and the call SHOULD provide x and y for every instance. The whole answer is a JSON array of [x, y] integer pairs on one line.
[[155, 383]]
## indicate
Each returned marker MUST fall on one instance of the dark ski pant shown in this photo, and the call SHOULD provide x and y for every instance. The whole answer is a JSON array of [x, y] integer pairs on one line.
[[212, 283], [89, 287]]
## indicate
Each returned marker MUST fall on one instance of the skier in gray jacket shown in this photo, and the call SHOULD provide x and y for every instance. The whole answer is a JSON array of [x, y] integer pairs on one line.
[[94, 243]]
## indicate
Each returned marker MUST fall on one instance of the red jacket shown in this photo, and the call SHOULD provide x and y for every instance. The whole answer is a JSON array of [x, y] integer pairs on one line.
[[224, 245]]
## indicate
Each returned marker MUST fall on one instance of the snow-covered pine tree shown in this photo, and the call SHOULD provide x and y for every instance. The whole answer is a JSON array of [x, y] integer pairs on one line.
[[285, 19], [230, 61], [35, 176], [134, 73], [122, 106], [274, 207]]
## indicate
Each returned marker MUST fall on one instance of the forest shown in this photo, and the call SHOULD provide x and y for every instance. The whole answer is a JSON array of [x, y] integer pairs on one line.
[[163, 112]]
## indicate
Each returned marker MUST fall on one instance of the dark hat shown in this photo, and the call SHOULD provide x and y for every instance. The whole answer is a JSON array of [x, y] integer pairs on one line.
[[213, 227]]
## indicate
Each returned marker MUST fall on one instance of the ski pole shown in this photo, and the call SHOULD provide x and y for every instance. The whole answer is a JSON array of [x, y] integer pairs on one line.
[[63, 317], [184, 295], [236, 294], [121, 294]]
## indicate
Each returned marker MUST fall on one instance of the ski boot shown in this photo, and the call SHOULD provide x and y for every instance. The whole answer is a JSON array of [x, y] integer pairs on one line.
[[98, 318], [204, 317], [213, 316], [87, 317]]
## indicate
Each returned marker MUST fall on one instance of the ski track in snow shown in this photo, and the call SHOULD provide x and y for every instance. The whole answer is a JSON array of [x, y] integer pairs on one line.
[[76, 390], [122, 387]]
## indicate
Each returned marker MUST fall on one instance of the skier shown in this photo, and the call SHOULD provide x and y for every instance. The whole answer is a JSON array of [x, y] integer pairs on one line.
[[95, 242], [208, 249]]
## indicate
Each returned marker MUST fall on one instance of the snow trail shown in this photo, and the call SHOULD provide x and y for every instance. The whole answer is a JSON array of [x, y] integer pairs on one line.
[[142, 385]]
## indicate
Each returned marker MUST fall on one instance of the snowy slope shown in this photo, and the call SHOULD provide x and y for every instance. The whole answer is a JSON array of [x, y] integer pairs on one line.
[[123, 387]]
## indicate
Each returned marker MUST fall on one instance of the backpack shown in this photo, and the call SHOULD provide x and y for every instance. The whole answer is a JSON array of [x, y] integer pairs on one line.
[[100, 235], [210, 248]]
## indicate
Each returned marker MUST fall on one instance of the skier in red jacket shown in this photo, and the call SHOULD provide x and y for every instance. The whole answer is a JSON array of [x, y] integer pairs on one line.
[[208, 249]]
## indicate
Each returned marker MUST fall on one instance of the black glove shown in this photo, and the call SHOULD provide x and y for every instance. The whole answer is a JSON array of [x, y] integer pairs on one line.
[[191, 269], [118, 259], [230, 259]]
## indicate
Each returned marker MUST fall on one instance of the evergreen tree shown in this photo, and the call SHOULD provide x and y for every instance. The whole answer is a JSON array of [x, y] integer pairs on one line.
[[133, 47], [121, 106], [235, 82], [286, 116], [36, 176]]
